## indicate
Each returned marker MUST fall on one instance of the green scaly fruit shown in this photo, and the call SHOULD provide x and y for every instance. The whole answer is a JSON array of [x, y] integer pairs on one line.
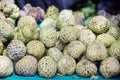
[[66, 65], [110, 67], [47, 67], [27, 66], [35, 48], [86, 68], [98, 24]]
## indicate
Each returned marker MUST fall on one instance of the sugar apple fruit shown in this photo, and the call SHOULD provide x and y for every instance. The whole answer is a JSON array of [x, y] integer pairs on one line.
[[114, 31], [87, 36], [35, 48], [55, 53], [16, 50], [106, 39], [66, 65], [10, 10], [48, 22], [27, 29], [68, 34], [52, 12], [6, 31], [98, 24], [78, 17], [47, 67], [48, 36], [65, 52], [6, 66], [11, 22], [86, 68], [75, 49], [114, 49], [65, 18], [109, 67], [27, 66], [96, 52]]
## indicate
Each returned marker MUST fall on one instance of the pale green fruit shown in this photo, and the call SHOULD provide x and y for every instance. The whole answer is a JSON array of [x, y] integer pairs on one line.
[[10, 21], [2, 16], [66, 65], [110, 67], [27, 66], [6, 66], [98, 24], [96, 52], [6, 32], [48, 36], [16, 50], [85, 68], [87, 36], [65, 18], [55, 53], [68, 34], [35, 48], [48, 22], [114, 49], [106, 39], [75, 49], [47, 67]]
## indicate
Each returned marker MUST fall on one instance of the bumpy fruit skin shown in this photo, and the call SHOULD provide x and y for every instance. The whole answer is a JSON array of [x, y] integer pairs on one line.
[[1, 47], [66, 65], [68, 34], [52, 12], [27, 29], [65, 18], [85, 68], [96, 52], [110, 67], [6, 32], [16, 50], [48, 36], [98, 24], [75, 49], [47, 67], [78, 18], [115, 32], [6, 66], [10, 21], [10, 10], [114, 49], [106, 39], [87, 36], [55, 53], [27, 66], [48, 22], [35, 48]]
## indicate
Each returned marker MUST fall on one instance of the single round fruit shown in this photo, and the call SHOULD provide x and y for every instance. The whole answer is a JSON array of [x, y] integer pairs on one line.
[[87, 36], [110, 67], [6, 66], [85, 68], [47, 67], [66, 65], [55, 53], [35, 48], [114, 49], [16, 50], [106, 39], [96, 52], [75, 49], [27, 66], [98, 24]]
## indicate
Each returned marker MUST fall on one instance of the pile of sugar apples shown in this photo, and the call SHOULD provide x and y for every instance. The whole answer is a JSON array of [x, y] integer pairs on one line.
[[62, 45]]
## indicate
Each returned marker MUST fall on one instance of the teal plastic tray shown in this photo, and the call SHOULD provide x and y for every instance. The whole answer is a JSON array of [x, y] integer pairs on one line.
[[57, 77]]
